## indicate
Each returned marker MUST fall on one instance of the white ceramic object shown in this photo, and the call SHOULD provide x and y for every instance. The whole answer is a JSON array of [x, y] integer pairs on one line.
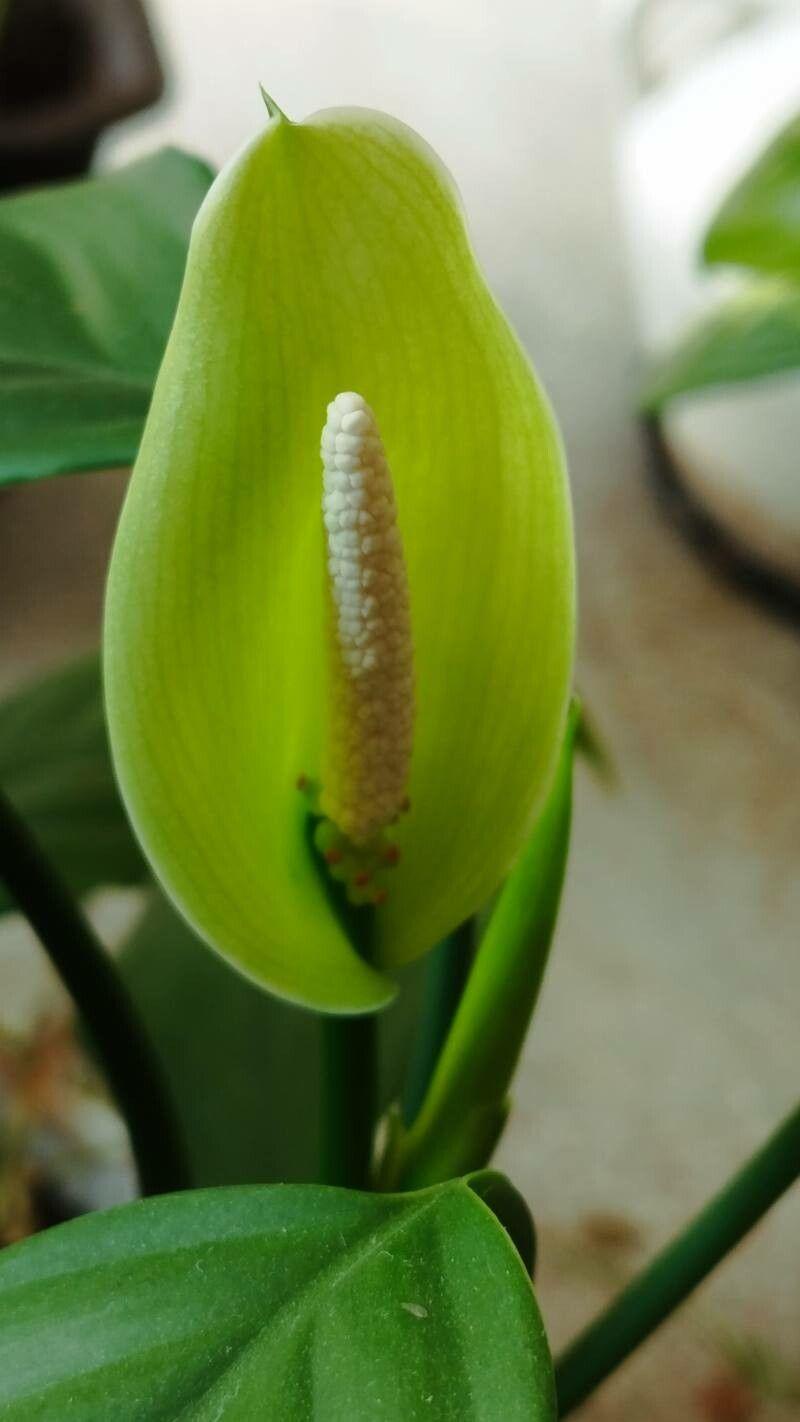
[[681, 149], [738, 453]]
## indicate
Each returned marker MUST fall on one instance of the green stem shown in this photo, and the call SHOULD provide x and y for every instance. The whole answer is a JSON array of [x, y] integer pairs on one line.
[[678, 1269], [445, 978], [350, 1085], [349, 1107], [116, 1033], [466, 1103]]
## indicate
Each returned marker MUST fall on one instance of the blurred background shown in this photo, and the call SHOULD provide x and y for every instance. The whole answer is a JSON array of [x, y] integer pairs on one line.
[[592, 143]]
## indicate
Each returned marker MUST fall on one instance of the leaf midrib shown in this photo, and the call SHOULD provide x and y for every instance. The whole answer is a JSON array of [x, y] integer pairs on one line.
[[319, 1281], [299, 1299]]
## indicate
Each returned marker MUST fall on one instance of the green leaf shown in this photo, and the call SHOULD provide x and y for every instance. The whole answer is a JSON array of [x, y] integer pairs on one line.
[[466, 1105], [244, 1067], [759, 223], [275, 1302], [507, 1204], [89, 280], [332, 255], [756, 334], [56, 769]]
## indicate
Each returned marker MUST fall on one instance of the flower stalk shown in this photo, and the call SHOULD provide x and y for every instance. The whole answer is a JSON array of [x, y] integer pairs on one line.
[[446, 977], [350, 1084]]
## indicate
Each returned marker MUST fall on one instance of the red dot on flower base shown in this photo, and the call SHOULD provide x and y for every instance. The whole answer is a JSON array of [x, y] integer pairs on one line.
[[301, 782], [361, 878], [332, 856], [379, 897], [391, 855]]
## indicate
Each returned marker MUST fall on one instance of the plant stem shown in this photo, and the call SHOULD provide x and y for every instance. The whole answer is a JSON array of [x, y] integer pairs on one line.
[[349, 1106], [446, 975], [112, 1024], [678, 1269], [350, 1086], [466, 1104]]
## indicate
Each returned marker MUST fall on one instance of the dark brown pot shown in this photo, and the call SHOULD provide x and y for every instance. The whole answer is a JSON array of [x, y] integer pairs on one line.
[[68, 69]]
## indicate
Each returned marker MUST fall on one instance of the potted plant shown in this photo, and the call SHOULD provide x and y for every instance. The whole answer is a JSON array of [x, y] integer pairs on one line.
[[722, 405], [337, 668]]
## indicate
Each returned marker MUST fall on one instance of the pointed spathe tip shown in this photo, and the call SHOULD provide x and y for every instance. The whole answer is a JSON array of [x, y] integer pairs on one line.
[[271, 107]]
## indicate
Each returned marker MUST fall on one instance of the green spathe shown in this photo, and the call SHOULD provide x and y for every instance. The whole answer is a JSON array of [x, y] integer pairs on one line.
[[329, 256]]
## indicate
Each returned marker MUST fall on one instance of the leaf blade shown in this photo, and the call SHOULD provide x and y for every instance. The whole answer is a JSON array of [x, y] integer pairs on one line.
[[758, 225], [228, 1303], [90, 278], [55, 767], [754, 336], [244, 1067]]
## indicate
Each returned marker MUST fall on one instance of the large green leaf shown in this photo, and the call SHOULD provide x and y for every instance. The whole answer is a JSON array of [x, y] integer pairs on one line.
[[759, 223], [89, 279], [284, 1302], [755, 335], [56, 769], [244, 1067], [332, 255]]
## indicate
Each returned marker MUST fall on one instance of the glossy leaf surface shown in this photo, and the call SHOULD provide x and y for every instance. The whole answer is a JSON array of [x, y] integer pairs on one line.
[[287, 1302], [332, 255]]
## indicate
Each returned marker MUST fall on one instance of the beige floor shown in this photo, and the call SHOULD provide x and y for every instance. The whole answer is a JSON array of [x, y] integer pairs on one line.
[[667, 1043]]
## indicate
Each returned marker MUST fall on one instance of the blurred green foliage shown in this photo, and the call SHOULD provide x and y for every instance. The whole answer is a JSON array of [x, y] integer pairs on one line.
[[756, 332]]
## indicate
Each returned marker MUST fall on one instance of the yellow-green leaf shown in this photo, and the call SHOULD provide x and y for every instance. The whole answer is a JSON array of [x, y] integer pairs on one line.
[[332, 255]]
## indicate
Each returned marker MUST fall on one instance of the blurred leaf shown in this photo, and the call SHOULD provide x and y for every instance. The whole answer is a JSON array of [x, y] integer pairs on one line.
[[244, 1067], [759, 223], [89, 280], [279, 1302], [756, 334], [593, 747], [55, 768]]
